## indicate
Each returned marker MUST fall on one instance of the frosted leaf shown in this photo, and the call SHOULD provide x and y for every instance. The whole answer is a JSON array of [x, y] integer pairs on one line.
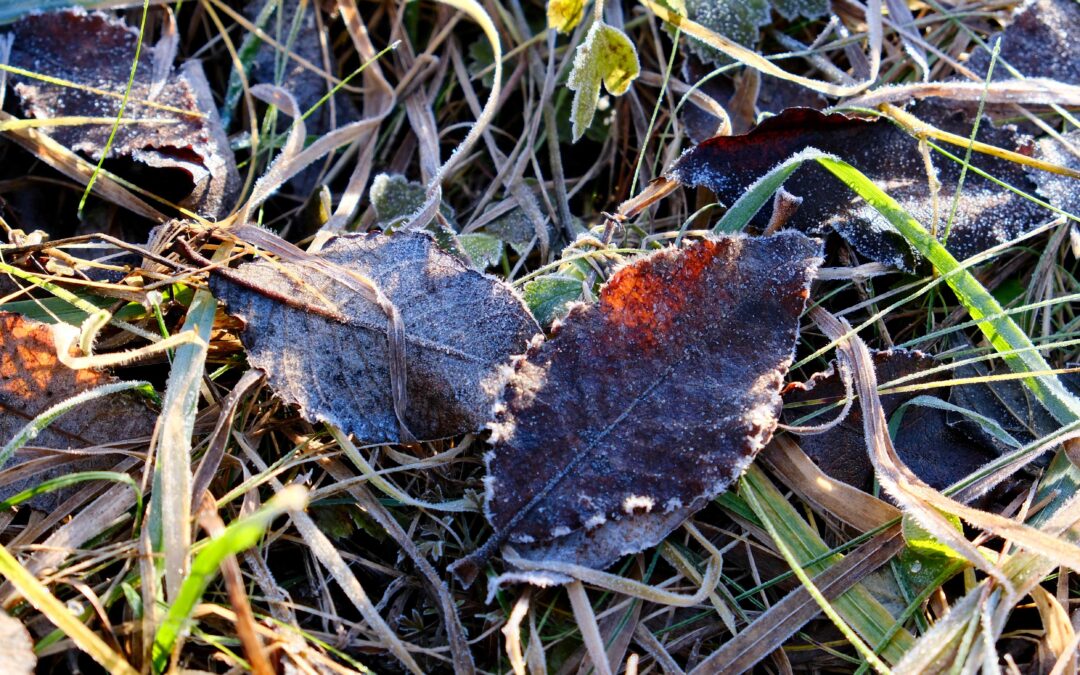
[[986, 213], [647, 404], [461, 326], [1040, 42], [96, 50], [605, 56], [737, 20]]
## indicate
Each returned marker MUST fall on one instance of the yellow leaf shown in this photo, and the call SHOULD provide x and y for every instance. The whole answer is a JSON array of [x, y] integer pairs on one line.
[[565, 15], [607, 56]]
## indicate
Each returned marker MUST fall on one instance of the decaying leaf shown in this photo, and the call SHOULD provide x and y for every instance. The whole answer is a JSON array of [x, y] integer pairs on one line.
[[96, 50], [645, 405], [333, 363], [33, 380], [1061, 191], [925, 441], [1009, 403], [605, 56], [1040, 42], [986, 214]]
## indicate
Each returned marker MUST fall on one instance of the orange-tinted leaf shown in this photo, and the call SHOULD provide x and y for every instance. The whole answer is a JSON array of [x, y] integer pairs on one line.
[[33, 380], [647, 404], [187, 160], [986, 213]]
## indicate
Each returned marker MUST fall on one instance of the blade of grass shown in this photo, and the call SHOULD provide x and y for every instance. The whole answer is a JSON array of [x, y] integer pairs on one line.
[[236, 538], [170, 504], [826, 607]]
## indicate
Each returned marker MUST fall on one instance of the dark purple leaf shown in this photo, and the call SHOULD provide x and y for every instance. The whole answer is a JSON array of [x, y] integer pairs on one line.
[[645, 405], [987, 214]]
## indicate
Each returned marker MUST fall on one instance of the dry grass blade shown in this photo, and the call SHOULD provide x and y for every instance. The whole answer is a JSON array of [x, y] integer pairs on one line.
[[323, 549], [758, 62], [45, 602], [774, 626]]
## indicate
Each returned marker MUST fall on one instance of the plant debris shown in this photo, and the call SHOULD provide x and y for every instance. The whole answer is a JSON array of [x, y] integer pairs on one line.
[[333, 362], [174, 129], [986, 214], [32, 380], [644, 406]]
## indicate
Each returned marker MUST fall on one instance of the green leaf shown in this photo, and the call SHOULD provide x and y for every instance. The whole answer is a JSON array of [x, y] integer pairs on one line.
[[549, 295], [606, 56], [484, 249], [565, 15]]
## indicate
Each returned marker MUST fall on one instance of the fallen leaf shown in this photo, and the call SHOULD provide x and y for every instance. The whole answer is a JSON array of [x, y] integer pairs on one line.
[[1061, 191], [1008, 403], [923, 440], [605, 56], [96, 50], [16, 647], [33, 380], [460, 326], [645, 405], [986, 214], [1039, 42]]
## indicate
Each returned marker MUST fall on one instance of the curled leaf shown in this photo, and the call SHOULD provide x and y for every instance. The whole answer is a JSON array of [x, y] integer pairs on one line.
[[334, 362], [644, 406], [179, 133], [605, 56]]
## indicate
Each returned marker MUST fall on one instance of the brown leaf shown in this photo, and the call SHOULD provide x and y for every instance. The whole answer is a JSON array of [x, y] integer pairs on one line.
[[460, 326], [187, 159], [647, 404], [923, 439], [31, 381], [986, 214]]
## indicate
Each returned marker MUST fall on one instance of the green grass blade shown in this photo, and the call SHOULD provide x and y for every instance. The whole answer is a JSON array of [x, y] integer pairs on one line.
[[857, 606], [237, 537], [1001, 331]]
